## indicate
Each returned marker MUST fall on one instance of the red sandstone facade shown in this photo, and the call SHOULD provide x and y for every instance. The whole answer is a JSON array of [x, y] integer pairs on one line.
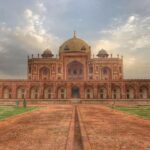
[[74, 74]]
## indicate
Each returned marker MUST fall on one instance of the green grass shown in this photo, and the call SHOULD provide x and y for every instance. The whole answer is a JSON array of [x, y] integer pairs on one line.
[[142, 111], [8, 111]]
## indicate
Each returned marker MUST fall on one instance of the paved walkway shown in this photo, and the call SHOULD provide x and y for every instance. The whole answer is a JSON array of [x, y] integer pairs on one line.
[[66, 127], [46, 129], [107, 129]]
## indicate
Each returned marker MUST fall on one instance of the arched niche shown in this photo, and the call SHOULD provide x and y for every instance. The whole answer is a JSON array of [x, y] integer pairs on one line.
[[34, 92], [88, 92], [48, 93], [75, 92], [62, 93], [116, 92], [130, 93], [6, 93], [143, 92], [75, 70], [102, 93], [21, 92], [44, 73], [106, 73]]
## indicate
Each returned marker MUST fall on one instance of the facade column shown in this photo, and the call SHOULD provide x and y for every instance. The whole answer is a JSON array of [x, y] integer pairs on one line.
[[55, 93], [41, 93], [14, 91], [123, 92], [136, 91], [95, 91], [82, 91], [27, 91], [68, 91], [109, 90], [1, 91]]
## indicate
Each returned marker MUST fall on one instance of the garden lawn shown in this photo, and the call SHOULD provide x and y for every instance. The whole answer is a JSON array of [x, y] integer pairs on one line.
[[7, 111], [143, 111]]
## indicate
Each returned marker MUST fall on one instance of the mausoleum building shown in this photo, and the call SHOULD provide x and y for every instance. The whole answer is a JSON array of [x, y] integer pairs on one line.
[[75, 74]]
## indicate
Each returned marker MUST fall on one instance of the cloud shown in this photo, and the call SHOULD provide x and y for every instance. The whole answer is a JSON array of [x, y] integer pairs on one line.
[[131, 39], [26, 32], [16, 43], [29, 26]]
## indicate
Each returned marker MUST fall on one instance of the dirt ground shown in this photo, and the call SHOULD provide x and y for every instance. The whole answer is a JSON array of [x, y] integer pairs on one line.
[[48, 129], [109, 129]]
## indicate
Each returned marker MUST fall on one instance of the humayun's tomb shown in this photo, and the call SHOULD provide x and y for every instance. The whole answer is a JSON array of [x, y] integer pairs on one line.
[[75, 74]]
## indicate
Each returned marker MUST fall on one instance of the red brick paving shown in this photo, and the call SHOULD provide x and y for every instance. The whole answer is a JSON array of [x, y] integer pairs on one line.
[[108, 129], [46, 129], [54, 127]]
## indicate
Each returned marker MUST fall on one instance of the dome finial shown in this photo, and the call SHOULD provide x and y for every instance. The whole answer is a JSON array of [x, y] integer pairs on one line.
[[74, 34]]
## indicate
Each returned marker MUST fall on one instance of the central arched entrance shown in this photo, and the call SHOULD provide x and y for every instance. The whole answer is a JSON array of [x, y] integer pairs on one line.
[[75, 92]]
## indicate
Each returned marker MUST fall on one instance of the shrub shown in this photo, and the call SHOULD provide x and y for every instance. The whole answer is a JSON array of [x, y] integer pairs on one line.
[[24, 103]]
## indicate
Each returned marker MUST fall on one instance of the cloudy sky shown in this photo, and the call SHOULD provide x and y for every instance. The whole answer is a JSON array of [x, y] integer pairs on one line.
[[30, 26]]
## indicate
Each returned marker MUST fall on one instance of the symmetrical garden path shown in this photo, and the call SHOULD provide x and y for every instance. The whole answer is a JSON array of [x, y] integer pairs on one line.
[[75, 127]]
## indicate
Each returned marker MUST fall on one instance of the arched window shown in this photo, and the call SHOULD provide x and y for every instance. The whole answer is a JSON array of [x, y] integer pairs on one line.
[[102, 93], [106, 73], [62, 93], [21, 92], [6, 93], [130, 93], [143, 92], [116, 93], [34, 93], [48, 93], [44, 73], [75, 70], [89, 93]]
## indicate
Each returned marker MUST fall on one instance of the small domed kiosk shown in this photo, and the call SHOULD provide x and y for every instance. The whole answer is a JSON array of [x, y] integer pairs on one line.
[[47, 54], [102, 54]]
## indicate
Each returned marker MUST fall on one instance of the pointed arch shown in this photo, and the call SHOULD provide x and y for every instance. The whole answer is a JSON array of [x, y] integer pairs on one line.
[[21, 92], [62, 93], [44, 73], [34, 92], [88, 92], [130, 93], [116, 92], [48, 93], [75, 70], [6, 93], [106, 73], [102, 93], [143, 92]]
